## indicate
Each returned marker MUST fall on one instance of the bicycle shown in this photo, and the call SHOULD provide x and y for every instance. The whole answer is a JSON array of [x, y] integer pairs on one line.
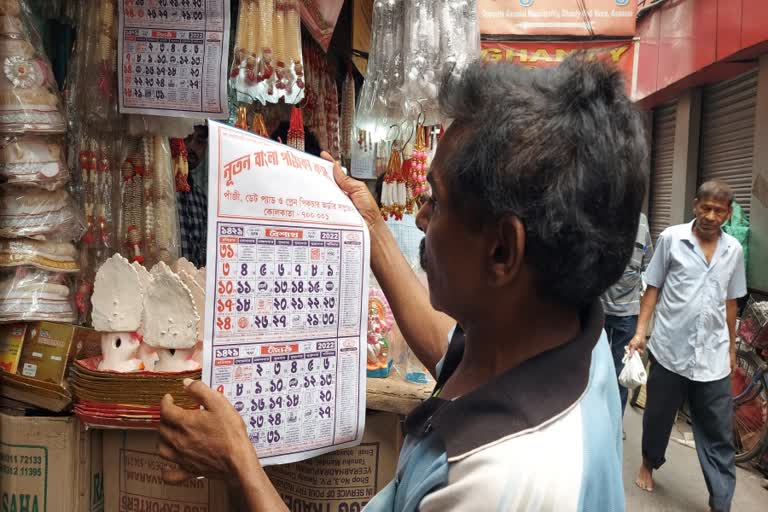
[[750, 404]]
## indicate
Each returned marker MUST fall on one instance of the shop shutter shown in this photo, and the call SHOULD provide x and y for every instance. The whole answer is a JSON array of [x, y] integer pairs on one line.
[[728, 134], [662, 155]]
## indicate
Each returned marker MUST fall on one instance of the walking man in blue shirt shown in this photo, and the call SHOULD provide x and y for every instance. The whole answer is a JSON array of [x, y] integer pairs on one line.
[[694, 279]]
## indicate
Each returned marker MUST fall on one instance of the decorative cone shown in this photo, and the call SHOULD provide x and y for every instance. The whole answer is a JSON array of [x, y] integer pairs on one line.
[[180, 165], [258, 126], [296, 129]]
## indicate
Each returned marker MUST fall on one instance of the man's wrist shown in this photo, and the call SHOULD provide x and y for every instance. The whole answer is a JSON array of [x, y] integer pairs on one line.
[[378, 229], [383, 245], [243, 461]]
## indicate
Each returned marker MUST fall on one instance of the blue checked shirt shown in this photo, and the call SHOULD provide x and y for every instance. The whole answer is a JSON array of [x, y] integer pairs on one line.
[[193, 215]]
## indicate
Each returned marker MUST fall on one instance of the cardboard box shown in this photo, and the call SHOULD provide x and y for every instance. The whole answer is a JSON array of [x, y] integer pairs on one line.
[[133, 479], [49, 348], [11, 339], [49, 464], [347, 479]]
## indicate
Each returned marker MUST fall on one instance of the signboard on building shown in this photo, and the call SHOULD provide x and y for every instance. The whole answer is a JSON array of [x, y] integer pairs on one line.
[[541, 54], [557, 17]]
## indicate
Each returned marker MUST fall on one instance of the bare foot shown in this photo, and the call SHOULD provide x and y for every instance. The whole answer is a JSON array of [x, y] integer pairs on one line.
[[645, 478]]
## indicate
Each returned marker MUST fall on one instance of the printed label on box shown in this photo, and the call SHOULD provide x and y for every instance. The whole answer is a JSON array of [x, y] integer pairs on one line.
[[27, 466], [343, 481], [142, 486], [29, 370]]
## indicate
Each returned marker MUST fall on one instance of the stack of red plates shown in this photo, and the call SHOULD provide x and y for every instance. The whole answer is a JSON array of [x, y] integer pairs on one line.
[[108, 399]]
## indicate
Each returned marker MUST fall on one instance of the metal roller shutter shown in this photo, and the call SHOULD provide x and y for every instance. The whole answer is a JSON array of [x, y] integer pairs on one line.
[[728, 134], [662, 155]]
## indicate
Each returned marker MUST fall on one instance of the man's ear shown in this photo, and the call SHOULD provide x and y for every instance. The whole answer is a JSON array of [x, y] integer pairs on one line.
[[506, 250]]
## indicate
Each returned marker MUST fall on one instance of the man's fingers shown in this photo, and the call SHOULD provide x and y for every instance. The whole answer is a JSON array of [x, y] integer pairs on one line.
[[168, 433], [176, 475], [167, 452], [345, 183], [172, 473], [204, 395], [170, 413]]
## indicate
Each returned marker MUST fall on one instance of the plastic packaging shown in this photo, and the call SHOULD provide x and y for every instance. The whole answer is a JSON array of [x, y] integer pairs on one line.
[[415, 372], [33, 160], [413, 45], [441, 36], [172, 127], [737, 226], [38, 214], [95, 178], [459, 34], [93, 72], [51, 256], [332, 114], [267, 62], [347, 117], [148, 228], [29, 101], [633, 374], [315, 67], [380, 98], [411, 367], [421, 50], [28, 294]]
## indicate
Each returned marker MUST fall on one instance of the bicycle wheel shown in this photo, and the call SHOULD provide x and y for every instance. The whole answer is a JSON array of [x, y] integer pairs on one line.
[[750, 410]]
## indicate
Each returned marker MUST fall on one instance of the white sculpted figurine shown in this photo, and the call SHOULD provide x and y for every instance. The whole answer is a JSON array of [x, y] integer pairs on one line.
[[170, 321], [148, 320], [117, 300]]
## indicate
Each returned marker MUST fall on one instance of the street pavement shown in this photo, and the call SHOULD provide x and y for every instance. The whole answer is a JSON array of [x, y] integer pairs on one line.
[[679, 484]]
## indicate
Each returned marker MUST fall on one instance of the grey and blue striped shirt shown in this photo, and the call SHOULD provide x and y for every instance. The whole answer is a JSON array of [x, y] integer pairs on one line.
[[623, 298]]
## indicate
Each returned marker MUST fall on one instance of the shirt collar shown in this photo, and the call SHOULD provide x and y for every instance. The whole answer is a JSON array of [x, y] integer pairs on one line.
[[688, 233], [723, 242], [526, 397]]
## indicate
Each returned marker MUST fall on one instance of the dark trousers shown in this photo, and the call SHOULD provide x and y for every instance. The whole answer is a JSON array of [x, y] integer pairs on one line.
[[620, 330], [711, 414]]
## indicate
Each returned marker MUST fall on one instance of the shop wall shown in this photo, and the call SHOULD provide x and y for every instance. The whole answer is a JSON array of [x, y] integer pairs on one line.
[[543, 54], [758, 242], [686, 170], [612, 18], [684, 43], [686, 156]]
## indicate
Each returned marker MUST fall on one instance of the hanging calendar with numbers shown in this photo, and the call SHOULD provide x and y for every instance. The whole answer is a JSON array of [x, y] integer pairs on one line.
[[287, 297], [173, 57]]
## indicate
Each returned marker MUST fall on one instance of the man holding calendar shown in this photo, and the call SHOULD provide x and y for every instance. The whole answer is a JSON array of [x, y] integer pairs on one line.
[[518, 251]]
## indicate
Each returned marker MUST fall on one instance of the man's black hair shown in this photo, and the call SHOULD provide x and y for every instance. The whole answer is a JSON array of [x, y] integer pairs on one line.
[[560, 148], [717, 190]]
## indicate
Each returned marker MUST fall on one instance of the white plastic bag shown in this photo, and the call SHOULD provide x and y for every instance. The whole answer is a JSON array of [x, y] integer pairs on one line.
[[633, 374]]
